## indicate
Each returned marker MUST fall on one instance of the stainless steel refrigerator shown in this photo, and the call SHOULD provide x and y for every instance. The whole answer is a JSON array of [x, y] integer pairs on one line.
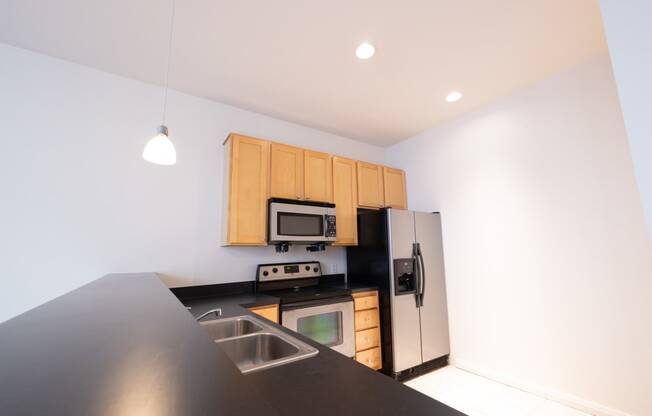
[[401, 253]]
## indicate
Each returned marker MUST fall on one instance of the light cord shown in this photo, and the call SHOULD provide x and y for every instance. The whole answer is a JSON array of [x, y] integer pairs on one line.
[[167, 71]]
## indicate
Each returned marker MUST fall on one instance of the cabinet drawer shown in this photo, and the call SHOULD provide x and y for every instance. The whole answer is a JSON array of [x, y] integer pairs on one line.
[[370, 358], [269, 312], [366, 319], [366, 302], [366, 339]]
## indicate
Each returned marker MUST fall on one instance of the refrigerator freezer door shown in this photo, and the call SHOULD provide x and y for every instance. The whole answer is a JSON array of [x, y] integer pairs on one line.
[[434, 312], [406, 337]]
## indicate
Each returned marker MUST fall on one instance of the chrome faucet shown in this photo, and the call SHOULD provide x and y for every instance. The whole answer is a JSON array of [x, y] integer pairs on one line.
[[216, 311]]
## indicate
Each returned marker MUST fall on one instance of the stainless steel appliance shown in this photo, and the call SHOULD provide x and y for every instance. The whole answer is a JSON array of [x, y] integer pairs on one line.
[[321, 313], [302, 222], [401, 252]]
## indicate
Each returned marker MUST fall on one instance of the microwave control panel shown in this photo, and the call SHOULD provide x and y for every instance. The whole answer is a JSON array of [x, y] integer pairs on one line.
[[331, 228]]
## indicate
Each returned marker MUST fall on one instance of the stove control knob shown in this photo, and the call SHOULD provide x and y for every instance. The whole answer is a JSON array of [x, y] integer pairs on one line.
[[274, 270], [307, 268], [265, 273], [316, 269]]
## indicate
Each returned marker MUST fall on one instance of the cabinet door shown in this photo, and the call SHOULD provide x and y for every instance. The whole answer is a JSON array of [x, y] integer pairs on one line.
[[366, 319], [371, 358], [248, 183], [286, 177], [370, 185], [344, 196], [368, 338], [318, 183], [395, 195]]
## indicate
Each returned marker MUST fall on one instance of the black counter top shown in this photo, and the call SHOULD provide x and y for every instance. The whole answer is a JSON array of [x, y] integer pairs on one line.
[[124, 344], [356, 288]]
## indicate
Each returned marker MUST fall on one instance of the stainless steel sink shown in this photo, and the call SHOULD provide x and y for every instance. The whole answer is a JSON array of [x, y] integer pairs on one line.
[[231, 327], [254, 345]]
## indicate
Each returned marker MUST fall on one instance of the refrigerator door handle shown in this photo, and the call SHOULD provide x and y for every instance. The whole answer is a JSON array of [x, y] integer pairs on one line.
[[422, 272], [417, 272]]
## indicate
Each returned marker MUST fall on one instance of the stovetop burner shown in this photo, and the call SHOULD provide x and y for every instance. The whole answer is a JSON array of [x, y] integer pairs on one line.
[[295, 282], [301, 294]]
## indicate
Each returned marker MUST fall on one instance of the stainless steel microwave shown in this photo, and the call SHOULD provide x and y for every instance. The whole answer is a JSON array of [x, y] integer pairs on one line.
[[303, 222]]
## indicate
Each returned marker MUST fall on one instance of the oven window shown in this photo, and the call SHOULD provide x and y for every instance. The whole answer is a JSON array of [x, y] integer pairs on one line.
[[325, 328], [294, 224]]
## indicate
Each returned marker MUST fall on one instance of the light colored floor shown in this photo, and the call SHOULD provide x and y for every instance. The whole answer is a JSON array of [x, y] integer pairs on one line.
[[479, 396]]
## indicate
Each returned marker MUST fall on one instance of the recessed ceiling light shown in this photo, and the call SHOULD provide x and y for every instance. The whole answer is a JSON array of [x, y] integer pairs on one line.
[[453, 96], [365, 50]]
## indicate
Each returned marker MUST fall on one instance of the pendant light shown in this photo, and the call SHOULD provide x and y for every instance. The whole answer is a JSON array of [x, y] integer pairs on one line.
[[160, 149]]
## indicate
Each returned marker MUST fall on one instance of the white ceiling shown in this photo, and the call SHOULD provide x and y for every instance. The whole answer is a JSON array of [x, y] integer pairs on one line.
[[294, 59]]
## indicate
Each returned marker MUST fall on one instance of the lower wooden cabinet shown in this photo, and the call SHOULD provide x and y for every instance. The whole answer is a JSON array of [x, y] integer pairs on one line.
[[365, 301], [366, 319], [367, 338], [367, 329], [370, 358], [268, 311]]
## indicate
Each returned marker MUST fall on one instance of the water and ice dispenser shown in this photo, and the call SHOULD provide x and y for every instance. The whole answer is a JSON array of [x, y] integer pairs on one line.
[[405, 278]]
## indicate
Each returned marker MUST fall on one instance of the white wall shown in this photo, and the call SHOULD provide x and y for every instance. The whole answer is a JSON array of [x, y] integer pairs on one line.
[[79, 202], [547, 260], [548, 267], [629, 34]]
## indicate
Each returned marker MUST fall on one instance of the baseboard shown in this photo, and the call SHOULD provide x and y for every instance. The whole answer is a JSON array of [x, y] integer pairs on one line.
[[582, 405]]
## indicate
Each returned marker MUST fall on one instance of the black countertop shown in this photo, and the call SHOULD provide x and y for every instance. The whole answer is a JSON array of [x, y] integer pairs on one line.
[[124, 344], [355, 287]]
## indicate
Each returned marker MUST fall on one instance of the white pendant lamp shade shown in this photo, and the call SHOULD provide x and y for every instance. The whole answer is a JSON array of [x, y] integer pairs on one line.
[[159, 149]]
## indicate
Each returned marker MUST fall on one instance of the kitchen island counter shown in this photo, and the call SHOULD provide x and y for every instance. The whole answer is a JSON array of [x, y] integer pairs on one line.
[[124, 344]]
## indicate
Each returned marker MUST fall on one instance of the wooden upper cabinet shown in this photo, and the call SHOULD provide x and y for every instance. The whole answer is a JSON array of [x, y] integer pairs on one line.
[[345, 198], [370, 185], [256, 170], [246, 180], [318, 175], [286, 175], [395, 195]]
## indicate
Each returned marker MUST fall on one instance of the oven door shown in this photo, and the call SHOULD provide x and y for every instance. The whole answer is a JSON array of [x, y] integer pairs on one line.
[[298, 222], [330, 324]]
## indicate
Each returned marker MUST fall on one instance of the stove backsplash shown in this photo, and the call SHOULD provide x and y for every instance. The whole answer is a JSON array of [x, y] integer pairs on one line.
[[238, 264]]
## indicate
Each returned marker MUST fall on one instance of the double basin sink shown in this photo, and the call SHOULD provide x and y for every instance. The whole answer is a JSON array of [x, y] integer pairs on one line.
[[254, 345]]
